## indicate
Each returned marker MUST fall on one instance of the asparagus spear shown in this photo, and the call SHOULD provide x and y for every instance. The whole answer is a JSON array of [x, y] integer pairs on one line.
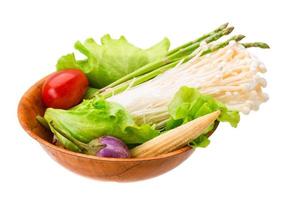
[[222, 44], [223, 26], [169, 59], [189, 49], [143, 78], [136, 81], [256, 44]]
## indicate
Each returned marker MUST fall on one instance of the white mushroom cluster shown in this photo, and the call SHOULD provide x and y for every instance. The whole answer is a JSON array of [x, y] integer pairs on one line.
[[231, 75]]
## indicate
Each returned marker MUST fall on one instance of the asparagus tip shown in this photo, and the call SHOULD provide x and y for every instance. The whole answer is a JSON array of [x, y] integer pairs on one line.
[[238, 37], [223, 26], [228, 30], [256, 44], [263, 45]]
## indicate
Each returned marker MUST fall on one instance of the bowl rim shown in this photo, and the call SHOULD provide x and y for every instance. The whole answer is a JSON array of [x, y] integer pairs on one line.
[[71, 153]]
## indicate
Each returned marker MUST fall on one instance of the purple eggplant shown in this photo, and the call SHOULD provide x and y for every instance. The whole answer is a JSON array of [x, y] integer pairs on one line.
[[112, 147], [105, 146]]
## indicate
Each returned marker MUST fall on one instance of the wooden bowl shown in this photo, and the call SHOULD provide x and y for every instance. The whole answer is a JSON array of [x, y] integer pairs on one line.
[[108, 169]]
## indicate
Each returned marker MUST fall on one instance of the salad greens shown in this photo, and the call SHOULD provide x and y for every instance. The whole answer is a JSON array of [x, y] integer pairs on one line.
[[189, 103], [115, 65], [97, 117], [111, 60], [94, 118]]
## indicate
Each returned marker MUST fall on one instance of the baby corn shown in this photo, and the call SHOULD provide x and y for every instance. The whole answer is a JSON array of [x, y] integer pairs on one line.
[[175, 138]]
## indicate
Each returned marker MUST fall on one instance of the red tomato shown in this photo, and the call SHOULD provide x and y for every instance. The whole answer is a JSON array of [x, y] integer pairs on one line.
[[64, 89]]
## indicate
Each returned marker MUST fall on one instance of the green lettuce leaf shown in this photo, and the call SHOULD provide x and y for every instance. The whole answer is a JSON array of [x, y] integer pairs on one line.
[[201, 141], [189, 103], [111, 60], [98, 117]]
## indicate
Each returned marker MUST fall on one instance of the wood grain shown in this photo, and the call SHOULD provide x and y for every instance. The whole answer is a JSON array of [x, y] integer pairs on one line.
[[108, 169]]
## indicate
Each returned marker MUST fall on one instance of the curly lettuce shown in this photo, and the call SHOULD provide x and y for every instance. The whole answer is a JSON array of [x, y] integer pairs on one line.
[[189, 103], [111, 60], [95, 118]]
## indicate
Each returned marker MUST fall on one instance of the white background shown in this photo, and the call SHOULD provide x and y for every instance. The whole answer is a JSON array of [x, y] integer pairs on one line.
[[258, 160]]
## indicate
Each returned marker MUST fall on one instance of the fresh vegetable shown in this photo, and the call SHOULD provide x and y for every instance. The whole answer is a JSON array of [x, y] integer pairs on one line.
[[113, 147], [230, 75], [97, 117], [118, 88], [105, 146], [90, 93], [148, 96], [58, 139], [109, 91], [189, 104], [112, 59], [64, 89], [182, 52], [175, 138]]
